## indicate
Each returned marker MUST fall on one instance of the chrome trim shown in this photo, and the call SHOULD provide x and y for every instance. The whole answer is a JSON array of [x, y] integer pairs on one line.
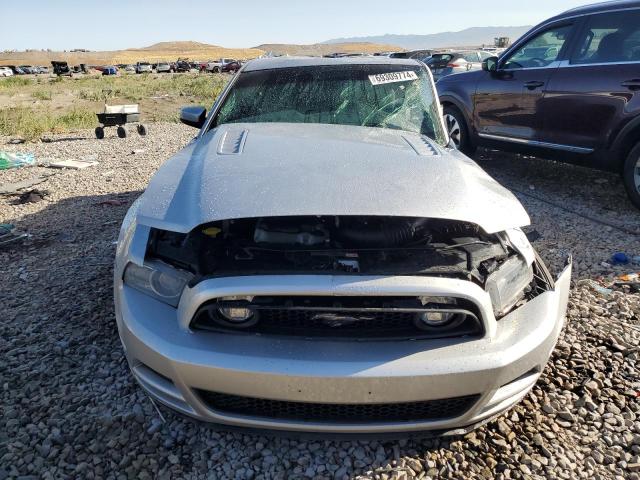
[[567, 64], [554, 64], [536, 143]]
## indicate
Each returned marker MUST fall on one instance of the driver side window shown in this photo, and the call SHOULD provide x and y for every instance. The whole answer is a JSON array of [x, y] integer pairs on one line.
[[540, 51]]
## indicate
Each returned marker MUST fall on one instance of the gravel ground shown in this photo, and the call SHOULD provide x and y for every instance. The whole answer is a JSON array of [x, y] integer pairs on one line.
[[70, 409]]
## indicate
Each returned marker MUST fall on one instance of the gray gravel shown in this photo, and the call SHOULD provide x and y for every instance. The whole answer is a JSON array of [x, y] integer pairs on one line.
[[70, 409]]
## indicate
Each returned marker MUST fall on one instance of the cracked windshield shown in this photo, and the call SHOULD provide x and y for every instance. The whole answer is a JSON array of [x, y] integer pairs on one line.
[[397, 97]]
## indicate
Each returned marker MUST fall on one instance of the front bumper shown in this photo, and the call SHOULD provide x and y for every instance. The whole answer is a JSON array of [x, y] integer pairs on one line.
[[173, 363]]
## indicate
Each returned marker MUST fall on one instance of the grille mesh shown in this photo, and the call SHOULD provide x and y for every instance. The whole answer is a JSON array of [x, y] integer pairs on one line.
[[339, 413], [348, 318]]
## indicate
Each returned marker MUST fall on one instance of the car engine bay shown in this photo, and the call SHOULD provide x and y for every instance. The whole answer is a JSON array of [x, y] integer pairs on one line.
[[363, 245]]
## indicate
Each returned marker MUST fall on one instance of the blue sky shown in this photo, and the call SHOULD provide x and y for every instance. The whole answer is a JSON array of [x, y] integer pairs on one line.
[[117, 24]]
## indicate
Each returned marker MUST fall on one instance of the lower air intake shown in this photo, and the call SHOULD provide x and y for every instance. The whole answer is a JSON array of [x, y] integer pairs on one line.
[[339, 412]]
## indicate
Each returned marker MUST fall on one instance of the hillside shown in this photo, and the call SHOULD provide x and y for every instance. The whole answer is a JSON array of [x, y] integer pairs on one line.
[[320, 49], [159, 51], [475, 36]]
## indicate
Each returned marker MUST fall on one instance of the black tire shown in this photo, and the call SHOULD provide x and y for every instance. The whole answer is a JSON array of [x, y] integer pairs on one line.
[[142, 129], [99, 133], [122, 133], [217, 70], [631, 175], [458, 130]]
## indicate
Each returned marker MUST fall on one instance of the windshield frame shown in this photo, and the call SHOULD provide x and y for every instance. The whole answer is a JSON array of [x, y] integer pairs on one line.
[[443, 141]]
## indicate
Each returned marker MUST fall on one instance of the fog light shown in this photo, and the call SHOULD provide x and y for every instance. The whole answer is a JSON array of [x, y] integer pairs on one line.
[[436, 319], [236, 314]]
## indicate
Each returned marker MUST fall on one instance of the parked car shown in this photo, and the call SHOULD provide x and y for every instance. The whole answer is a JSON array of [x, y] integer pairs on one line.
[[320, 259], [447, 63], [569, 89], [28, 69], [222, 65], [182, 66], [6, 72], [61, 68], [42, 69], [110, 70], [417, 54], [15, 69], [163, 67], [143, 67], [130, 69]]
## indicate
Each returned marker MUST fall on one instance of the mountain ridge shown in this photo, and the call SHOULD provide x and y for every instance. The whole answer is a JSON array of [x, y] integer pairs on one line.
[[475, 36]]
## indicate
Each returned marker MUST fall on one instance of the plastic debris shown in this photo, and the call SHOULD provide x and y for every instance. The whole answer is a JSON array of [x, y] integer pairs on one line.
[[16, 160], [629, 277], [74, 164], [619, 258], [13, 188], [9, 235], [32, 196]]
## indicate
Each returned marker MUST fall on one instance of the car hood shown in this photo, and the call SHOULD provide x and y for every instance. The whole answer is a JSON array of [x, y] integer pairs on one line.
[[278, 169]]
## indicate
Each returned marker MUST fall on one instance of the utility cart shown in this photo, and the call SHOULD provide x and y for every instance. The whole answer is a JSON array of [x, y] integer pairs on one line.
[[119, 115]]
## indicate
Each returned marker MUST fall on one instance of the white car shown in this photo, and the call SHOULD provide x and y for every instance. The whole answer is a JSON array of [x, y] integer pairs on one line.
[[163, 67], [143, 67], [6, 72], [217, 66]]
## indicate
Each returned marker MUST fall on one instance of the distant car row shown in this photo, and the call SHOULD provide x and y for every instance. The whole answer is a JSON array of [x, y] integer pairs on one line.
[[9, 70], [441, 63], [222, 65]]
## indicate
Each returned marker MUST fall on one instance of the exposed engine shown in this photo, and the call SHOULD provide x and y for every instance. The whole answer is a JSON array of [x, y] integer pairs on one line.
[[332, 244]]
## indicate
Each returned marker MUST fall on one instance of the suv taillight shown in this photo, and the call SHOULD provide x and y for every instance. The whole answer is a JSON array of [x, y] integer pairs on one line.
[[454, 65]]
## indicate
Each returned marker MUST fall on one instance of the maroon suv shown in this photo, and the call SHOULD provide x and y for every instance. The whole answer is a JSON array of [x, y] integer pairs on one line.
[[569, 89]]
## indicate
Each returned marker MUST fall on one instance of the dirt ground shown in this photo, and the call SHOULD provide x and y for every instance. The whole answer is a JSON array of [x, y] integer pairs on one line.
[[69, 407]]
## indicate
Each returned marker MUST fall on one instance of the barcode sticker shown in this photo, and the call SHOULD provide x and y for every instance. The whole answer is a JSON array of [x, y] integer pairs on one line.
[[392, 77]]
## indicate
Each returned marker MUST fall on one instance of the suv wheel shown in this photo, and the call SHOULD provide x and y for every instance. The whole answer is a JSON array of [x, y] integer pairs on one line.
[[631, 175], [458, 131]]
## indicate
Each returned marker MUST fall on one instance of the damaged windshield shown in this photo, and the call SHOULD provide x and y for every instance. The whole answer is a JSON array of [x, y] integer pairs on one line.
[[386, 96]]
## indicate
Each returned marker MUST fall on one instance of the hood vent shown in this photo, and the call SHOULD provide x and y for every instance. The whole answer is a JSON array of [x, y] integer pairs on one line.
[[422, 146], [232, 142]]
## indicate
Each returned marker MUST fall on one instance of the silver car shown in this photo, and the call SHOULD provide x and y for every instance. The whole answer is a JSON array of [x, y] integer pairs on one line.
[[447, 63], [320, 259]]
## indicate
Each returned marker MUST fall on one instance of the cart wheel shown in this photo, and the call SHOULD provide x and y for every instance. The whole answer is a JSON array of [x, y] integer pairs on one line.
[[99, 133], [142, 129], [122, 133]]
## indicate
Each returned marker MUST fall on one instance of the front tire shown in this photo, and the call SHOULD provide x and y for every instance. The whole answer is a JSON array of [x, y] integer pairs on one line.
[[631, 175], [122, 133], [458, 130]]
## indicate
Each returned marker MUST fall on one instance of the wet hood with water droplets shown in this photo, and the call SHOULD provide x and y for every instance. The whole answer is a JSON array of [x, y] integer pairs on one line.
[[278, 169]]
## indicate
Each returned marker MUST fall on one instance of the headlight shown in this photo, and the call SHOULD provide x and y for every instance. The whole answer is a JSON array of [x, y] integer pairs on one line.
[[158, 280], [506, 285]]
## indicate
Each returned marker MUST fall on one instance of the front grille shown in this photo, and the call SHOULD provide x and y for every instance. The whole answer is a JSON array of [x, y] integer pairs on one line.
[[339, 412], [389, 318]]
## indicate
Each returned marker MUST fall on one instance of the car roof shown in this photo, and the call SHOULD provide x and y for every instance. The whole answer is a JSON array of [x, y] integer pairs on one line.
[[599, 7], [291, 62]]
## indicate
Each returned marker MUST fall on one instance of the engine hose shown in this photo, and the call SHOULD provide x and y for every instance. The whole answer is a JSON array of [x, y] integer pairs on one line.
[[369, 236]]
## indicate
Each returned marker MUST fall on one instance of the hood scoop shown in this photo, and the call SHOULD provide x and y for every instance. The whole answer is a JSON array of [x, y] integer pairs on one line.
[[232, 142], [422, 146]]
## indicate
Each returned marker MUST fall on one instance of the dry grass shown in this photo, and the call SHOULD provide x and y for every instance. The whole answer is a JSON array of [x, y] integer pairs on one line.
[[71, 103]]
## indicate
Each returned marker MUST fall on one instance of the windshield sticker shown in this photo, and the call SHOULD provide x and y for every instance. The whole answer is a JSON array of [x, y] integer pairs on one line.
[[392, 77]]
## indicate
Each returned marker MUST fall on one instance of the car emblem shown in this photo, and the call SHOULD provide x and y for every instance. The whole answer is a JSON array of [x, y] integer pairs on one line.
[[337, 320]]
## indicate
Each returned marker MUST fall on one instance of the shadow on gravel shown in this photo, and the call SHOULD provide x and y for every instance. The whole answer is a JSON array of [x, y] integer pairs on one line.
[[580, 189]]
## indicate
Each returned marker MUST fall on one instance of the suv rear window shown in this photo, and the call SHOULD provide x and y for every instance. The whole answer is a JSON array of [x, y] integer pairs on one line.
[[609, 38], [441, 58]]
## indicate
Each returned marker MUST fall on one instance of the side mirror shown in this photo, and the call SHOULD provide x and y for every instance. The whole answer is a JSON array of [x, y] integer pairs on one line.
[[490, 64], [193, 116]]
